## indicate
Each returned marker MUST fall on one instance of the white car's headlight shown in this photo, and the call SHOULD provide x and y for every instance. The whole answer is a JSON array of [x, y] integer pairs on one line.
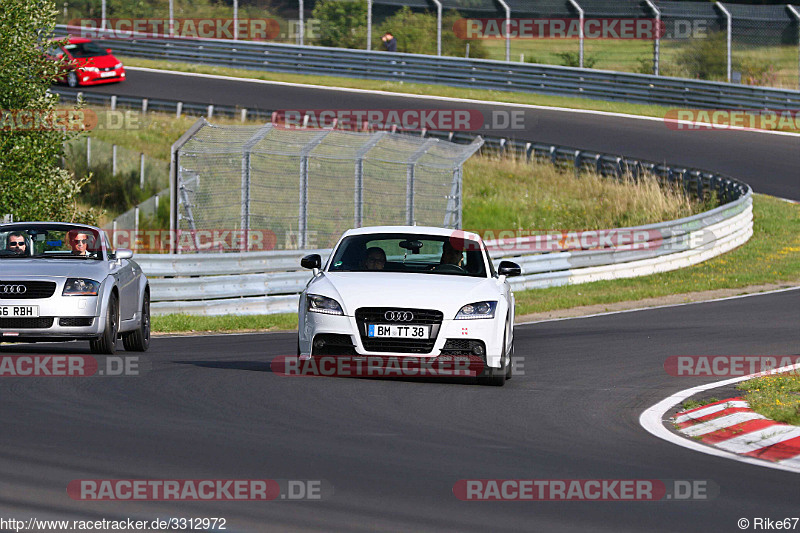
[[80, 287], [477, 310], [323, 304]]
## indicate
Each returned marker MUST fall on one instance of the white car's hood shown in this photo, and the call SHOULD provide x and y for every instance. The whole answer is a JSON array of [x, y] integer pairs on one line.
[[419, 291]]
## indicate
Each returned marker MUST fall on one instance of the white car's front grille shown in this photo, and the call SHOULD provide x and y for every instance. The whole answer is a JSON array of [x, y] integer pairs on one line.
[[378, 315]]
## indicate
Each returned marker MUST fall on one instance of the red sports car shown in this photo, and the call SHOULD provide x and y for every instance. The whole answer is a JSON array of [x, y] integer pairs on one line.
[[87, 64]]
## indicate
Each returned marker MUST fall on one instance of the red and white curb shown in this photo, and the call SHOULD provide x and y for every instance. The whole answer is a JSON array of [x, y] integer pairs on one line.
[[732, 426]]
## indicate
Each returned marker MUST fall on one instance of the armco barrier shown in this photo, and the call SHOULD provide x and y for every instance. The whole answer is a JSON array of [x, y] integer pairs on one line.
[[456, 72], [269, 282]]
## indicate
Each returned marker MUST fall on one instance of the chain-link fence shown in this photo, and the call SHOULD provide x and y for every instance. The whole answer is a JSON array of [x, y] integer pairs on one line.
[[304, 187]]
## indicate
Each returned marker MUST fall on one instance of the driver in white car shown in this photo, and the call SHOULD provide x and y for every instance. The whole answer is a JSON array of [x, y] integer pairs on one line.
[[451, 256]]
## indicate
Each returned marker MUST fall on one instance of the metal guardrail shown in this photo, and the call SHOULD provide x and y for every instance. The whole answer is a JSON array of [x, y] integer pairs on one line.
[[457, 72]]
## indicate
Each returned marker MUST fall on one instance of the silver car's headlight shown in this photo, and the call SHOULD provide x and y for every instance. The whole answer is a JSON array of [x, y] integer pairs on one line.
[[80, 287], [323, 304], [477, 310]]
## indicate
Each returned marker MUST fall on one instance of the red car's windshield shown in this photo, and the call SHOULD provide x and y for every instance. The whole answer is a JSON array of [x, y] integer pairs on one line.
[[81, 50]]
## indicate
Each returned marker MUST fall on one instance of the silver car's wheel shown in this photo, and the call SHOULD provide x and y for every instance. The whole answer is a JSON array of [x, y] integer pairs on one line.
[[107, 342], [72, 79], [139, 340]]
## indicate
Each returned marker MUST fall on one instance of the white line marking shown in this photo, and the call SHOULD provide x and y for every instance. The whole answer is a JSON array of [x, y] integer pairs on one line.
[[705, 411], [755, 440], [447, 99], [722, 422], [792, 462], [652, 420]]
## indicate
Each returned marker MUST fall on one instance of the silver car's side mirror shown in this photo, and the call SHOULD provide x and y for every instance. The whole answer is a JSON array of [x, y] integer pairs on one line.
[[123, 253]]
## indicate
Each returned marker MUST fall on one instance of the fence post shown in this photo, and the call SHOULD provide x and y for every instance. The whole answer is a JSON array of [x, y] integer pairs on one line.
[[88, 152], [114, 233], [438, 27], [244, 114], [113, 102], [657, 42], [796, 15], [135, 227], [144, 106], [246, 175], [178, 110], [210, 111], [369, 25], [580, 29], [141, 170], [301, 28], [730, 33], [507, 28], [235, 20], [113, 159], [358, 193]]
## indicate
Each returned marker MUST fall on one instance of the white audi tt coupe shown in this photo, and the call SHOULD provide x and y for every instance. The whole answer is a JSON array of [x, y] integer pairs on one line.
[[410, 292]]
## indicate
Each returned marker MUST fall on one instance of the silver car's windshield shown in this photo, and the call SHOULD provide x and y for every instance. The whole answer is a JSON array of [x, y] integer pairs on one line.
[[56, 241], [397, 252]]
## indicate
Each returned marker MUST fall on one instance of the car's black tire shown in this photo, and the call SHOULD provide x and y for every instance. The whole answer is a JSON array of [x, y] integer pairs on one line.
[[72, 78], [139, 339], [510, 363], [107, 342]]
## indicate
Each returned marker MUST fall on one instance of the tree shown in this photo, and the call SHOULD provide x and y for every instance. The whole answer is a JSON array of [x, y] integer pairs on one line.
[[343, 24], [32, 185]]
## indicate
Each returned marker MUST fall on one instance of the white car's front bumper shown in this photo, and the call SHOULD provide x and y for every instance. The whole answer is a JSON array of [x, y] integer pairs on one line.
[[488, 331]]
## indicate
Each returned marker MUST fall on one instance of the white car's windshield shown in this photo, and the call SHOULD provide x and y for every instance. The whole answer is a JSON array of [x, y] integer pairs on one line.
[[427, 254], [57, 241]]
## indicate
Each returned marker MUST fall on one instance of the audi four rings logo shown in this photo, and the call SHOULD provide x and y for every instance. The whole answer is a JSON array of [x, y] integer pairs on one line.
[[13, 289], [399, 316]]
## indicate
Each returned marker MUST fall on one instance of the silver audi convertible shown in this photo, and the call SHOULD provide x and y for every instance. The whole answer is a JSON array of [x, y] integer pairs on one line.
[[62, 282]]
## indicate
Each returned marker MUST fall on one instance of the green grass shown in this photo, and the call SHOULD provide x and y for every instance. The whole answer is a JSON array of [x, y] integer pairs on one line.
[[776, 397], [692, 404], [772, 255], [508, 193], [189, 323]]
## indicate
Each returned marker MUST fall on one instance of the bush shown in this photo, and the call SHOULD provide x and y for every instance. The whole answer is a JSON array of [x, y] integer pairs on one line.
[[343, 24], [416, 34], [706, 59], [573, 59]]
